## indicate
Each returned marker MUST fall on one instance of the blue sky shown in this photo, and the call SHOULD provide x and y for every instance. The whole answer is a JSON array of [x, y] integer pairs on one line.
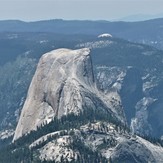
[[31, 10]]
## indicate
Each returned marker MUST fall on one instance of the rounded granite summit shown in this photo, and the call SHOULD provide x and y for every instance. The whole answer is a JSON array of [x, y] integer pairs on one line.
[[63, 84]]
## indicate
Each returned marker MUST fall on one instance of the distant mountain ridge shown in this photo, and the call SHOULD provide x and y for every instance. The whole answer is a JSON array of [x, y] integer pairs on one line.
[[139, 17], [74, 26], [67, 23], [146, 32]]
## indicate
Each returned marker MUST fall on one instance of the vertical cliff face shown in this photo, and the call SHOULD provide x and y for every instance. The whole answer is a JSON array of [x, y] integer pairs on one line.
[[63, 84]]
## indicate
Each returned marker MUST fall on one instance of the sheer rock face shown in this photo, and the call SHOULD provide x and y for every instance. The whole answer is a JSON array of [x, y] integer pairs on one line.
[[63, 84]]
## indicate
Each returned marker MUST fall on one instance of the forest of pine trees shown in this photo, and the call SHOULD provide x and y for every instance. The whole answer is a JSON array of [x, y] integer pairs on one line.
[[19, 150]]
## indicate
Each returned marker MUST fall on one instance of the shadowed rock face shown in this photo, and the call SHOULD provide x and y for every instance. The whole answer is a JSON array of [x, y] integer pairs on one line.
[[63, 84], [132, 151]]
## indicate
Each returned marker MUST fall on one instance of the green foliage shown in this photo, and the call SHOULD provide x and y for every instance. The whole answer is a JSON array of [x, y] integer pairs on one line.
[[107, 143], [4, 142], [69, 122], [9, 154], [19, 149], [86, 154]]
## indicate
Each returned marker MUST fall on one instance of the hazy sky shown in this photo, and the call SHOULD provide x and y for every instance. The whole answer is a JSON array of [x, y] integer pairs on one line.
[[30, 10]]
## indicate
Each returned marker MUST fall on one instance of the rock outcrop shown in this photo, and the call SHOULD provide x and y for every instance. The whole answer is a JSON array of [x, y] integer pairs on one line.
[[63, 84]]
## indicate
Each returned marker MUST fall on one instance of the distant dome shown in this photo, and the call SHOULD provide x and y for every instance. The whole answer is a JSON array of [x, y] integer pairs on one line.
[[105, 35]]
